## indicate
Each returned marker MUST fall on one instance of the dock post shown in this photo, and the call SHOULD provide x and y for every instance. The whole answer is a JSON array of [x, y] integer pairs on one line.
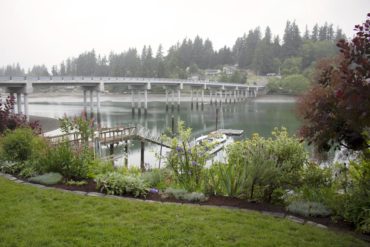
[[173, 125], [126, 153], [111, 149], [142, 164], [178, 99], [19, 103]]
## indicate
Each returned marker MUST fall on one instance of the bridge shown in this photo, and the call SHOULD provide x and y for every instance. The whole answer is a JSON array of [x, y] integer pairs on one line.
[[139, 87]]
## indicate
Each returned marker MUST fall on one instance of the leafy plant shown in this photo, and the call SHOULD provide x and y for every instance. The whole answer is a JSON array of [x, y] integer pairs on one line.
[[114, 183], [11, 167], [47, 179], [158, 178], [182, 194], [77, 183], [185, 160], [305, 208], [21, 144], [28, 171]]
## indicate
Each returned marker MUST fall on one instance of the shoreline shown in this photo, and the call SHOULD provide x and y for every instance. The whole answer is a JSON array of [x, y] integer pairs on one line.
[[47, 124]]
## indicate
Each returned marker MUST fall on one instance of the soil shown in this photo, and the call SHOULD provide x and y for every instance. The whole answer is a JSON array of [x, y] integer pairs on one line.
[[224, 201]]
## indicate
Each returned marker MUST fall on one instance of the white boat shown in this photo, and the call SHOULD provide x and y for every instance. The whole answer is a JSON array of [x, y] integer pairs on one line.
[[215, 139]]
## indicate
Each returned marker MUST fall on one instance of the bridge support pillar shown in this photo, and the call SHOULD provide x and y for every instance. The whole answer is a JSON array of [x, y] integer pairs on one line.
[[202, 99], [226, 93], [132, 102], [173, 100], [98, 101], [197, 105], [91, 101], [192, 99], [210, 96], [19, 103], [146, 101], [26, 106], [85, 100], [13, 98], [166, 99], [139, 102], [178, 99]]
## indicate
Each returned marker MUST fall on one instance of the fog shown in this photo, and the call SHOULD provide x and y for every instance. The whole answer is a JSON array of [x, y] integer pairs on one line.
[[49, 31]]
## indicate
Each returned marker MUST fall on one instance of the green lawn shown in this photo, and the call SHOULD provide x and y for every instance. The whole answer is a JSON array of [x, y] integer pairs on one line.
[[31, 216]]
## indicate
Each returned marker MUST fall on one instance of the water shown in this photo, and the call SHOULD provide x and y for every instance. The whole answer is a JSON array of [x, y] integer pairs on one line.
[[258, 116]]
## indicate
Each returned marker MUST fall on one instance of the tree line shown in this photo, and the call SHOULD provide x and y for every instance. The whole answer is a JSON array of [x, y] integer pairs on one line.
[[263, 54]]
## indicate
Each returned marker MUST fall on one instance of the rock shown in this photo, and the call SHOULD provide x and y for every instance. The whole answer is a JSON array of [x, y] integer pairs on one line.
[[295, 219], [82, 193], [19, 181], [95, 194], [316, 224], [47, 179]]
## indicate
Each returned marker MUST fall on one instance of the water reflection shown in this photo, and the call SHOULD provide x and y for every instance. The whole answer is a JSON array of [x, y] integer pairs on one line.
[[252, 116]]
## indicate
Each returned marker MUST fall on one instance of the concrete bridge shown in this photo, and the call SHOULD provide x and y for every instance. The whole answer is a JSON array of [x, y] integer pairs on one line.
[[218, 91]]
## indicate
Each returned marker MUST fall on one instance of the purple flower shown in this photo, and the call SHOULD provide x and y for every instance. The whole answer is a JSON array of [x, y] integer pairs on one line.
[[194, 163], [179, 149], [153, 190]]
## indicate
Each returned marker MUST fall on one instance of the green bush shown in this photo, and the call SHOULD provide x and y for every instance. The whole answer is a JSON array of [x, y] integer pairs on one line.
[[28, 171], [72, 163], [47, 179], [182, 194], [158, 178], [21, 144], [305, 208], [258, 167], [292, 84], [98, 166], [114, 183]]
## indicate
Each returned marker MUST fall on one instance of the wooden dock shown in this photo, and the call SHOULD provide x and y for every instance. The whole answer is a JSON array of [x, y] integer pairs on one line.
[[230, 132]]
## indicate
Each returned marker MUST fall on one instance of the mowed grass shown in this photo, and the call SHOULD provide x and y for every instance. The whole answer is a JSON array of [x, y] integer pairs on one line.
[[31, 216]]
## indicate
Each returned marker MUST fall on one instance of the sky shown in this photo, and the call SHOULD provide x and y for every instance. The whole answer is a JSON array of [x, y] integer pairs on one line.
[[49, 31]]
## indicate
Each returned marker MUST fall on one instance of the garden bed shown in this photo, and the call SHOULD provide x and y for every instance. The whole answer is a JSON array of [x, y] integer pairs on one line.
[[230, 202]]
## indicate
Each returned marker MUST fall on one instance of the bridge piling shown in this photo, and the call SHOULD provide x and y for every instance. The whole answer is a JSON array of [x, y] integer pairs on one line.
[[173, 100], [178, 99], [166, 100], [145, 102], [210, 97], [192, 99], [25, 96], [85, 100], [19, 103], [132, 102], [197, 96], [202, 99]]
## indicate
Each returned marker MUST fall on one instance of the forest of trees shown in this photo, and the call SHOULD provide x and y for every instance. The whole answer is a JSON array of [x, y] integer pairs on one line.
[[261, 53]]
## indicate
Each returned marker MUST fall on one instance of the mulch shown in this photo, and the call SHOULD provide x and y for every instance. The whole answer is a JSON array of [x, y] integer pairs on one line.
[[224, 201]]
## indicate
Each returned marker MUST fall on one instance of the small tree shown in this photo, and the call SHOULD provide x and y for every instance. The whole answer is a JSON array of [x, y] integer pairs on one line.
[[9, 120], [335, 112]]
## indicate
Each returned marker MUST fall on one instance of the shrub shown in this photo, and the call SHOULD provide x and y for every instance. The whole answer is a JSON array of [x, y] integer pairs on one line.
[[71, 163], [114, 183], [186, 161], [47, 179], [28, 171], [182, 194], [98, 166], [305, 208], [158, 178], [21, 144]]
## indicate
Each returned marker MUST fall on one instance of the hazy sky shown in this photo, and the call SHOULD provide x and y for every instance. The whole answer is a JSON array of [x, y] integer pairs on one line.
[[49, 31]]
